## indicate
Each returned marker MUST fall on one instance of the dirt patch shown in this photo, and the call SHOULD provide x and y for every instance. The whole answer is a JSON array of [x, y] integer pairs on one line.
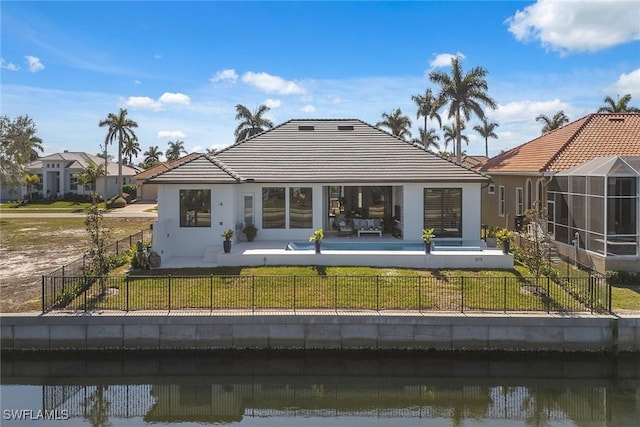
[[32, 247]]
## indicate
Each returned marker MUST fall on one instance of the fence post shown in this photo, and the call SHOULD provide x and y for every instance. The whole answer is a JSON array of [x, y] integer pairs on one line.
[[335, 294], [505, 294], [591, 299], [548, 294], [127, 293], [419, 294], [169, 294], [294, 293], [377, 293], [608, 283], [43, 294], [462, 293], [85, 296]]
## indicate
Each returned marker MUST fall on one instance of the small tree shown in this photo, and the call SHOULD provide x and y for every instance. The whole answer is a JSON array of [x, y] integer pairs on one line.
[[535, 246], [96, 255]]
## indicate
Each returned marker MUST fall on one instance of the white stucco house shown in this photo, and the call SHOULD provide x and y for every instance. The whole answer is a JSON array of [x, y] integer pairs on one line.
[[58, 175], [305, 175]]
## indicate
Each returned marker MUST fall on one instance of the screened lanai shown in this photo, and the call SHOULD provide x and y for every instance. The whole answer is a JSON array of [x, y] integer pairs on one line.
[[594, 206]]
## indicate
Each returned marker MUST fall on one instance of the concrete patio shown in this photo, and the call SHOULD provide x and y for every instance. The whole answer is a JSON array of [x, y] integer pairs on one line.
[[259, 253]]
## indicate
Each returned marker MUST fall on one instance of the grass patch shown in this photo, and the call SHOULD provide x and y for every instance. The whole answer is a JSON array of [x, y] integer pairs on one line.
[[310, 287], [46, 207]]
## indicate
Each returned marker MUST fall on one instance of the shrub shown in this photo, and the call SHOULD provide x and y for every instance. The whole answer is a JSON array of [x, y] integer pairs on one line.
[[118, 202], [131, 190]]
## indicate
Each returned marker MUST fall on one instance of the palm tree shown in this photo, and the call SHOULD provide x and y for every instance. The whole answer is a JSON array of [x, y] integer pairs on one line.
[[251, 123], [152, 156], [175, 150], [131, 148], [428, 108], [559, 119], [451, 134], [90, 175], [427, 139], [397, 122], [618, 107], [464, 93], [120, 128], [486, 131]]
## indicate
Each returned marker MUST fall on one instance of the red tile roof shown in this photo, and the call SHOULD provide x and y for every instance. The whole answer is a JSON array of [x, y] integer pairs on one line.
[[161, 167], [595, 135]]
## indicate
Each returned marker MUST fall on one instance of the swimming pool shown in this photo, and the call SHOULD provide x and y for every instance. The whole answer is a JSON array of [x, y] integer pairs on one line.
[[377, 246]]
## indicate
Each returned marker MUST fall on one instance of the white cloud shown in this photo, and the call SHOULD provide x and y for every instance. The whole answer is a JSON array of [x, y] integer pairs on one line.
[[308, 108], [167, 98], [273, 103], [8, 65], [171, 134], [137, 82], [174, 98], [444, 59], [627, 83], [34, 64], [228, 75], [143, 103], [272, 84], [567, 26], [529, 110]]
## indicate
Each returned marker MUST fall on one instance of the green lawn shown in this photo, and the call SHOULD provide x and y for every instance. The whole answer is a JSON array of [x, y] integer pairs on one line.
[[332, 288], [45, 207]]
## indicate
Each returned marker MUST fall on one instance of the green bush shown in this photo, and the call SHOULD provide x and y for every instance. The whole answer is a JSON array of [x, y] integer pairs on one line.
[[118, 202], [623, 278], [131, 190]]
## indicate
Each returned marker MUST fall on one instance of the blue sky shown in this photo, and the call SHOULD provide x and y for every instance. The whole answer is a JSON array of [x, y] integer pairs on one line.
[[181, 67]]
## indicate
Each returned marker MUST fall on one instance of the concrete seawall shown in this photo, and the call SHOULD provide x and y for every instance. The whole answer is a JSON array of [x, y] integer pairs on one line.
[[319, 330]]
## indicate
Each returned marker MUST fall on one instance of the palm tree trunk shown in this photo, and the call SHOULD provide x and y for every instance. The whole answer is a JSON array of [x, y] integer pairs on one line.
[[119, 185], [458, 137], [106, 181], [424, 135], [486, 147]]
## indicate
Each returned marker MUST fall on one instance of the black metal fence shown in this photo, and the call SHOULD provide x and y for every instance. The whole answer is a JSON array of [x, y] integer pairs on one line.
[[77, 267], [297, 292]]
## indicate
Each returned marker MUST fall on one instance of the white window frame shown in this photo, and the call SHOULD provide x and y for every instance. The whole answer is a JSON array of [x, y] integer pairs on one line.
[[501, 201], [519, 201], [491, 189]]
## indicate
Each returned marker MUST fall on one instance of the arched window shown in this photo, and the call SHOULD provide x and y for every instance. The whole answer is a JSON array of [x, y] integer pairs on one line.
[[528, 195]]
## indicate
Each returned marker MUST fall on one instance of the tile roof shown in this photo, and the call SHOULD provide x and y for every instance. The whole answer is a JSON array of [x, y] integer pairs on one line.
[[82, 160], [325, 150], [595, 135], [161, 167]]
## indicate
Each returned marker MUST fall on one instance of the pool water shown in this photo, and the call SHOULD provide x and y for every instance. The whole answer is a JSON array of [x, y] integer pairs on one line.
[[377, 246]]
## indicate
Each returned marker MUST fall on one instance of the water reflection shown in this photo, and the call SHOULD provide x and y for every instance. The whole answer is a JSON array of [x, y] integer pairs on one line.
[[257, 388]]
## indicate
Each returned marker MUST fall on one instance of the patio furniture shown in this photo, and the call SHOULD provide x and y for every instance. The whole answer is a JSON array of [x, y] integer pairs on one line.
[[361, 232], [344, 229], [368, 226]]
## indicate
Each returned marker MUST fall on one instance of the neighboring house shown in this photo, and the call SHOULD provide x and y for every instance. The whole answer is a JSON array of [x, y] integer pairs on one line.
[[58, 175], [149, 192], [304, 175], [531, 172]]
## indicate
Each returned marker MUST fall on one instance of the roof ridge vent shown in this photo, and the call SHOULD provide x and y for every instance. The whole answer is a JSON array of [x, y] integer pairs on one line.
[[306, 128], [616, 119]]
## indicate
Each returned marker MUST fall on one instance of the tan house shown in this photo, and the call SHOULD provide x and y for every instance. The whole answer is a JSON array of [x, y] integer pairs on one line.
[[527, 173], [149, 192]]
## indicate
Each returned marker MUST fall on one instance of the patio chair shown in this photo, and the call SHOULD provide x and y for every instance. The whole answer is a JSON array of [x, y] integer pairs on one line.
[[344, 229]]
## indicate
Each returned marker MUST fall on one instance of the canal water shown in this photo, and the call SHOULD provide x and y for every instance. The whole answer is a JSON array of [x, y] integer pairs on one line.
[[313, 389]]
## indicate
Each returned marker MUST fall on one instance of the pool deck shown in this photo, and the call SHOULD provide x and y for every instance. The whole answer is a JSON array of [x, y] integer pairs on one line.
[[258, 253]]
